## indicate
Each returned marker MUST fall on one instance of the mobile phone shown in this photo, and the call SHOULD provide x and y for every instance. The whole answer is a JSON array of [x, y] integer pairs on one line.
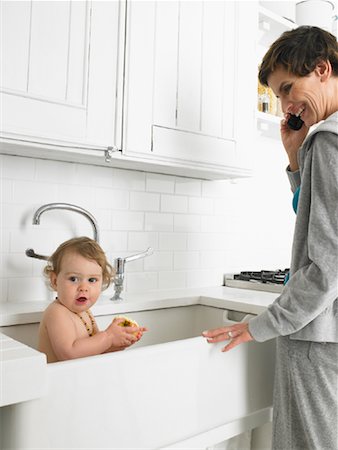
[[295, 122]]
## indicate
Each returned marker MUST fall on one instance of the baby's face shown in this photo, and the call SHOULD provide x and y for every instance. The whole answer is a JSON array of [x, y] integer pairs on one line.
[[79, 282]]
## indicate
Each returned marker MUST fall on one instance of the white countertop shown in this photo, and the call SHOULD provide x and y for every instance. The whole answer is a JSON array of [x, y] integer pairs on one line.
[[24, 370], [250, 301]]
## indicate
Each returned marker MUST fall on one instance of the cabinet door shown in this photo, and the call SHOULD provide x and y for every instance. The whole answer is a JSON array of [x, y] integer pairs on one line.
[[181, 81], [59, 66]]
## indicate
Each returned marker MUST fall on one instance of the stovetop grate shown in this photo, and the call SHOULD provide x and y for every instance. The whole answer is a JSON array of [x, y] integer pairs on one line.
[[264, 276]]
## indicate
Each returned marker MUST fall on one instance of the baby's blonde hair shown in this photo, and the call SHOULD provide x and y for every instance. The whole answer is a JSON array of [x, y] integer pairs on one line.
[[86, 247]]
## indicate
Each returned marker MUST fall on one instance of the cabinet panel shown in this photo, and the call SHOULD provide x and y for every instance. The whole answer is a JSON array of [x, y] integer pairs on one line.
[[185, 146], [189, 66], [180, 78], [48, 50], [68, 53], [14, 29], [165, 67]]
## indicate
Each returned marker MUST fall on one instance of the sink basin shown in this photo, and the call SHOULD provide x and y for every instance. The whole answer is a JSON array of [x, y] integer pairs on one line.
[[162, 392]]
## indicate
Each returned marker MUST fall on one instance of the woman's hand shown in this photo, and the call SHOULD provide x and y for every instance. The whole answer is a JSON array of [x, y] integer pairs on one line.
[[292, 140], [237, 333]]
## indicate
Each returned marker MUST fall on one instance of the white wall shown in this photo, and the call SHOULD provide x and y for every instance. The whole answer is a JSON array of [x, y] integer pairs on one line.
[[198, 229]]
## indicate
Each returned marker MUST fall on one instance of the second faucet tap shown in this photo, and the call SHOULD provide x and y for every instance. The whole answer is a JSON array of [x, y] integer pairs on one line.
[[119, 275]]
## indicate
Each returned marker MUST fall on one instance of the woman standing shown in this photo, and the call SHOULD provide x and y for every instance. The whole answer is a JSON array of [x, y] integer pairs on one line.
[[301, 67]]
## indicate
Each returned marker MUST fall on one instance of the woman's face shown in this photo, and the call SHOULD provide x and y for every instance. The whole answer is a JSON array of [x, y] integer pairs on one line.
[[304, 96]]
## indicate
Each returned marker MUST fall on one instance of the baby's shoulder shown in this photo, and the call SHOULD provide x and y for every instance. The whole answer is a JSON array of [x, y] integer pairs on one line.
[[55, 309]]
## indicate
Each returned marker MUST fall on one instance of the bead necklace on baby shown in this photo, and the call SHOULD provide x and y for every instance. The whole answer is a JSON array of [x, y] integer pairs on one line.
[[86, 324]]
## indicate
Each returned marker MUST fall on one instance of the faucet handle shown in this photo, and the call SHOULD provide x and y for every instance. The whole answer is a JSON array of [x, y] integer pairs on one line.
[[147, 252], [31, 253]]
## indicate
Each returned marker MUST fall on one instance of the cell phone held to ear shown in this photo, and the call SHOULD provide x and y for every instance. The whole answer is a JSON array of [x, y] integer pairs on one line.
[[295, 122]]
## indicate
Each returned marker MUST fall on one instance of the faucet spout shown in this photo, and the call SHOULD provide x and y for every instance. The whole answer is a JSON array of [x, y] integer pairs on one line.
[[69, 207]]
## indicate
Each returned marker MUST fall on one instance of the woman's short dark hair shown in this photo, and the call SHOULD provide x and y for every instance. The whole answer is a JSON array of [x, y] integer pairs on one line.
[[299, 51]]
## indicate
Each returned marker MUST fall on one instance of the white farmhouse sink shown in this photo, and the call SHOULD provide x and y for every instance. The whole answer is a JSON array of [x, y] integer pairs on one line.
[[168, 388]]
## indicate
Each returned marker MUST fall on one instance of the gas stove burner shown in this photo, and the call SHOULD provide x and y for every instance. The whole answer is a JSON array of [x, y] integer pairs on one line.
[[264, 276]]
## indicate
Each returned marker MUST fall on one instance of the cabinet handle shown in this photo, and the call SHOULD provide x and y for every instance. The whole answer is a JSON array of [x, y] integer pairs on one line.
[[108, 153]]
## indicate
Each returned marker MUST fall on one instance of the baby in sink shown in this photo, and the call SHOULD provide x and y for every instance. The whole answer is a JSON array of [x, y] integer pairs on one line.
[[78, 271]]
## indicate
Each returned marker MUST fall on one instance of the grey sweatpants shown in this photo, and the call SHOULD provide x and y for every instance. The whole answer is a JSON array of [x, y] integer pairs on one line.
[[305, 396]]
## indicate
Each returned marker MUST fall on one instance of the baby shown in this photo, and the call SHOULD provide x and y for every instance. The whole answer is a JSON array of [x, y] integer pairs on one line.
[[78, 270]]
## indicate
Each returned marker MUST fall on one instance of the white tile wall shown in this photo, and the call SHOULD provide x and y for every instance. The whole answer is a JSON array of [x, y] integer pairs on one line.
[[199, 229]]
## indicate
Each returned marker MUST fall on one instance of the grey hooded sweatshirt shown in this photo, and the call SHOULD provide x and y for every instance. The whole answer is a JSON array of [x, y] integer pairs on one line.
[[307, 308]]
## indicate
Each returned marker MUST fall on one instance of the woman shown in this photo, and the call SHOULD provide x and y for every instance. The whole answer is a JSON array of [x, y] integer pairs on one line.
[[301, 67]]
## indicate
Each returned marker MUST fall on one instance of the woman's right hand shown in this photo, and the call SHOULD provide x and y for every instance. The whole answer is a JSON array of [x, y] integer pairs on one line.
[[292, 140]]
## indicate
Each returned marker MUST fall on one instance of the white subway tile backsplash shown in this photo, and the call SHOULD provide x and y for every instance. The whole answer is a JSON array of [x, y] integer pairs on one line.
[[204, 278], [114, 241], [129, 180], [141, 282], [3, 290], [213, 259], [55, 171], [111, 198], [18, 168], [199, 205], [127, 220], [217, 224], [198, 229], [6, 190], [36, 237], [160, 183], [186, 260], [159, 222], [87, 175], [4, 240], [144, 201], [16, 216], [28, 192], [206, 241], [140, 241], [187, 186], [15, 265], [103, 217], [216, 189], [83, 196], [173, 241], [174, 203], [187, 222], [159, 261], [29, 289], [172, 280]]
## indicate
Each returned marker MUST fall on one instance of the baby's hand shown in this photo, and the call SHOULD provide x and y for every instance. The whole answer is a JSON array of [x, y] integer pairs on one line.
[[122, 336]]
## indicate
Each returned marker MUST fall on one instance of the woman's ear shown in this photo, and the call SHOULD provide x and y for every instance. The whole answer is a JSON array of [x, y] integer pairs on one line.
[[53, 279], [324, 70]]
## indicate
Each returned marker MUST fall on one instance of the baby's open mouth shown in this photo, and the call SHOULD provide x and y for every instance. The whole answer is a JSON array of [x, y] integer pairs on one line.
[[81, 299]]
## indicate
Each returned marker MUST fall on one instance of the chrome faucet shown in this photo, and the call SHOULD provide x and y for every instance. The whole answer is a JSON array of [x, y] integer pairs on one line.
[[119, 275], [67, 206]]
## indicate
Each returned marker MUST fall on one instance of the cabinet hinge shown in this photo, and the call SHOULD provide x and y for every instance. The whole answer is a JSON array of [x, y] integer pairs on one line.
[[108, 153]]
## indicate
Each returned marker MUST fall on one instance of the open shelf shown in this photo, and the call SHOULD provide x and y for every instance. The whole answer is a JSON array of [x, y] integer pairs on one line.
[[271, 26], [268, 125]]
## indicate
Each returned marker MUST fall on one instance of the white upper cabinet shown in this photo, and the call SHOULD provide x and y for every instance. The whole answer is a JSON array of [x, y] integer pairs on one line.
[[184, 95], [171, 83], [59, 63]]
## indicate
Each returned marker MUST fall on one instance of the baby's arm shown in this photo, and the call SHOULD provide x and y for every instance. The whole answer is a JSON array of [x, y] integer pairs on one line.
[[67, 344]]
